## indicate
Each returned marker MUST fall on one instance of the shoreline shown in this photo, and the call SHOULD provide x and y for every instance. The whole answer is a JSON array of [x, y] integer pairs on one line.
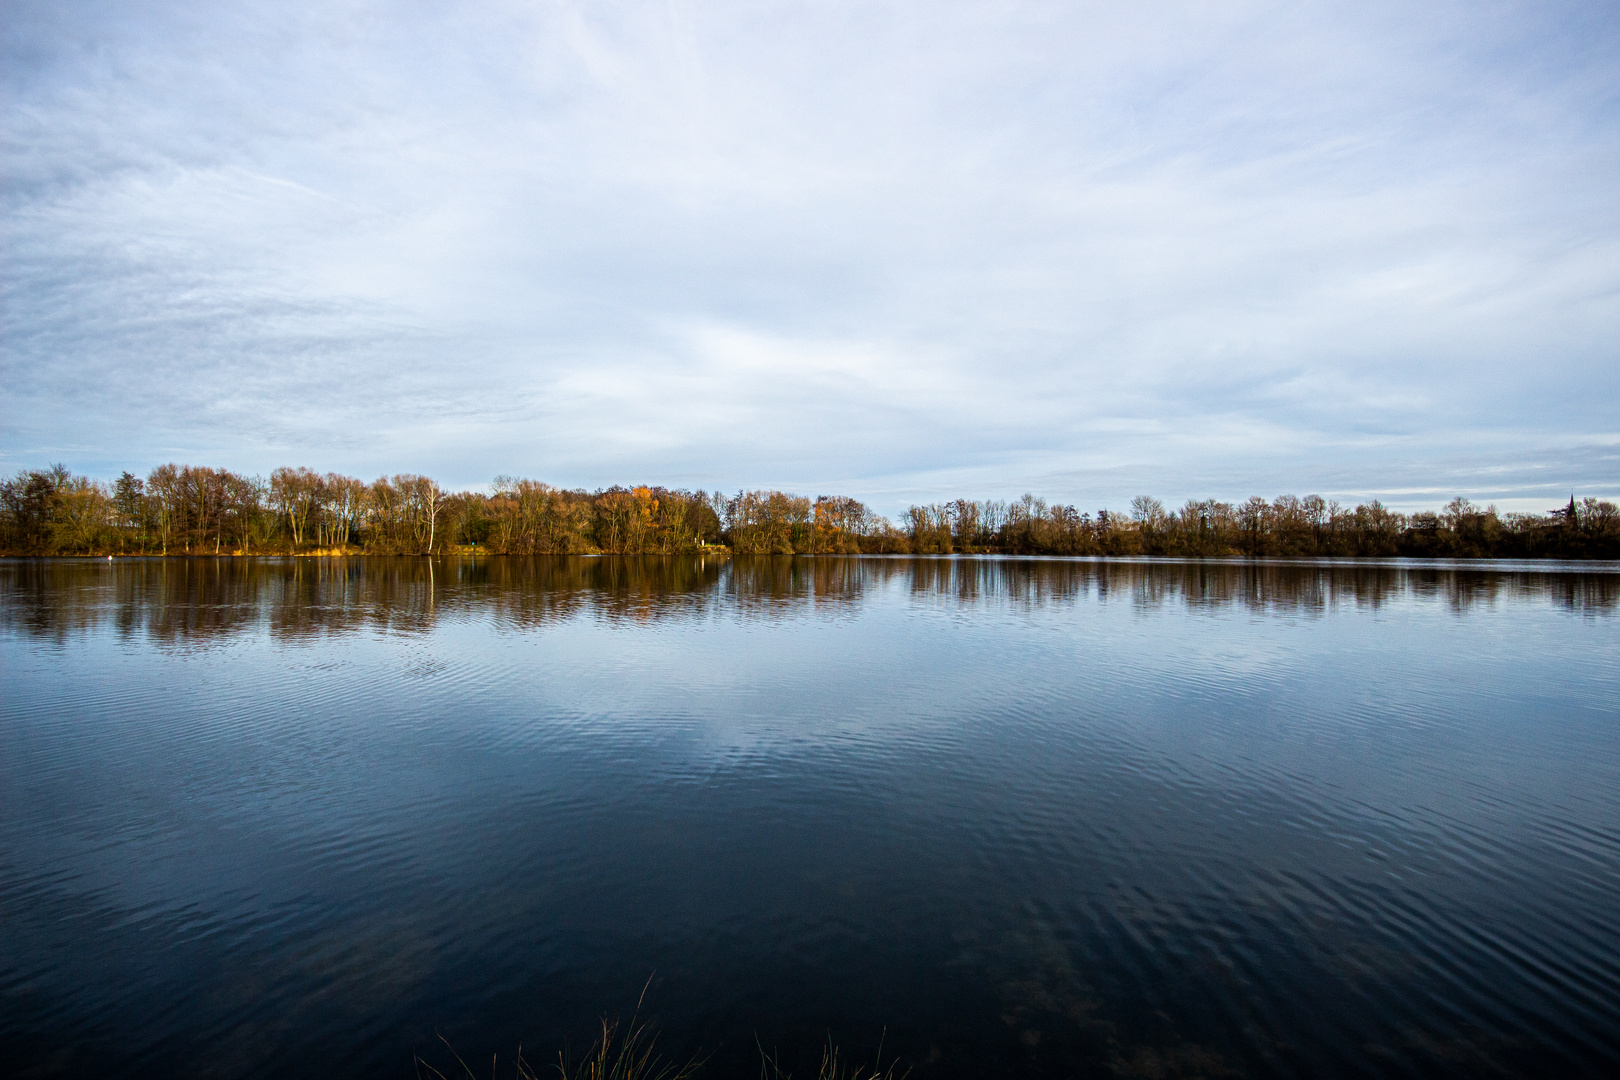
[[192, 511], [1387, 561]]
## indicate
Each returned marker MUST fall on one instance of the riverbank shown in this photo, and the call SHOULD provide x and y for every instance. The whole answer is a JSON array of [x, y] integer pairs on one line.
[[196, 510]]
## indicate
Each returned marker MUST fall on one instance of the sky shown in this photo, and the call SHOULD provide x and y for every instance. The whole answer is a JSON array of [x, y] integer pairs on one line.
[[902, 251]]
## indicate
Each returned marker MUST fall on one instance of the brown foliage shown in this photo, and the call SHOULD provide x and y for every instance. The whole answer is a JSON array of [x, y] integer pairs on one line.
[[183, 509]]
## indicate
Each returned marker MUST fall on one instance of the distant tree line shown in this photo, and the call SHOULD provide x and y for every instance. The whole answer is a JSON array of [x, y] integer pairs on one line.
[[1288, 526], [191, 510]]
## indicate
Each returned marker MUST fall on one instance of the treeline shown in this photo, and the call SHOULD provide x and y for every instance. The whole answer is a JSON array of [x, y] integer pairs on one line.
[[190, 510], [1288, 526]]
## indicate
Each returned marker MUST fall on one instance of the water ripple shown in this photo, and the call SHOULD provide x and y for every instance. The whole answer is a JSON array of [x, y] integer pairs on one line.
[[1032, 817]]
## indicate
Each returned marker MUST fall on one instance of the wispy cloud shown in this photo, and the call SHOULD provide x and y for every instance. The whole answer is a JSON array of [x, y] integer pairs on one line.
[[893, 250]]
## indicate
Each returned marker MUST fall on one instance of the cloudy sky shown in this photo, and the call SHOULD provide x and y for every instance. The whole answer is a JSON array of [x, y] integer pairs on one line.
[[897, 250]]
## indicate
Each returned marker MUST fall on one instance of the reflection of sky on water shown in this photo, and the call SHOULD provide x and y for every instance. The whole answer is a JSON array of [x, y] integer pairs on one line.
[[273, 789]]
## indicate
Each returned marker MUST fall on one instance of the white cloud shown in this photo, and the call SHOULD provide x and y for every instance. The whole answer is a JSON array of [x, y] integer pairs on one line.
[[1085, 249]]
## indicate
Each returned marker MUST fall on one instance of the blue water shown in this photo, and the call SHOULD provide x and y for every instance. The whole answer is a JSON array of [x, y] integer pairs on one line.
[[1008, 816]]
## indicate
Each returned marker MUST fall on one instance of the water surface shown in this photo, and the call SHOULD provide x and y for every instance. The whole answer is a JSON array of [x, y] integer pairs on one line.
[[1012, 817]]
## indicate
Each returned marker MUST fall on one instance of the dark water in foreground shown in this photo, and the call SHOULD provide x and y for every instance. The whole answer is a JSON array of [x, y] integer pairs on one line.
[[1035, 818]]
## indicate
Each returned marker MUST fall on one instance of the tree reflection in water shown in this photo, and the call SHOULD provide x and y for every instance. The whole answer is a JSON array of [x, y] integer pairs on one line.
[[192, 601]]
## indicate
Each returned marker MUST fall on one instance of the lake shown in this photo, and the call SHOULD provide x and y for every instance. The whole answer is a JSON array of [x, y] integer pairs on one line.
[[1004, 816]]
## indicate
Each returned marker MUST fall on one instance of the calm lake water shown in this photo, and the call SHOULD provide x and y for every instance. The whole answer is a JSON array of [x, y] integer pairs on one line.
[[1011, 817]]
